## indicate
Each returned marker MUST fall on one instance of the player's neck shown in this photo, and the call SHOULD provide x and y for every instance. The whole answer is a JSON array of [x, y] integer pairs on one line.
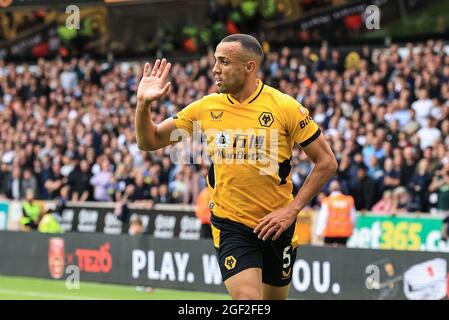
[[246, 92]]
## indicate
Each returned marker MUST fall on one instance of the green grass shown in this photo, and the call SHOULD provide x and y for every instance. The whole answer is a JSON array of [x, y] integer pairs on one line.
[[23, 288]]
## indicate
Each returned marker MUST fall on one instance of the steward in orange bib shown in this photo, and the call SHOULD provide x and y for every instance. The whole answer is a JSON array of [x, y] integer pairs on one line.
[[203, 213], [337, 216]]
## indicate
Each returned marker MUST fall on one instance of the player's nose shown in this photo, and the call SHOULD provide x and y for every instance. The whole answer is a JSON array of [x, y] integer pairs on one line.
[[215, 69]]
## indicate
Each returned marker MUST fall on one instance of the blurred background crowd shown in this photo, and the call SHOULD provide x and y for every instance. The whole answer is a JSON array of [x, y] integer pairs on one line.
[[68, 126], [67, 116]]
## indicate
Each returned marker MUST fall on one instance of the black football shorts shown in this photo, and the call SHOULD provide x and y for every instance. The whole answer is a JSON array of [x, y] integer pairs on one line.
[[238, 248]]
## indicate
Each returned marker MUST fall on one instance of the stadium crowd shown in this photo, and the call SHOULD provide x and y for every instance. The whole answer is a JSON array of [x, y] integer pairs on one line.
[[67, 126]]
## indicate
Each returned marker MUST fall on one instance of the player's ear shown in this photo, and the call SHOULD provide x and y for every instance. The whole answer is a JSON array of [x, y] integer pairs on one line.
[[250, 66]]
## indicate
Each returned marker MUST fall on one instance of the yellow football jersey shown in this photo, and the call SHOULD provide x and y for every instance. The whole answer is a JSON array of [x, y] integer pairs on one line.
[[250, 145]]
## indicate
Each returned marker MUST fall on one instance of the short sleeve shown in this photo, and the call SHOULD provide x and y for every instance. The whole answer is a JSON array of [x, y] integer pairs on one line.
[[300, 125], [185, 118]]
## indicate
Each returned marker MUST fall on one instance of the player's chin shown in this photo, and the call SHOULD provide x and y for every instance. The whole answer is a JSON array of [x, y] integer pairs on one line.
[[222, 89]]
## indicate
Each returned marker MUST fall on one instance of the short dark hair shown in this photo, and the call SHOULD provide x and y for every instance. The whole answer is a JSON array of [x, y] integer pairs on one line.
[[248, 43]]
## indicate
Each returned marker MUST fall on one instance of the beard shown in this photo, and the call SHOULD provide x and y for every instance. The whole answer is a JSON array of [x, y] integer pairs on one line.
[[230, 89], [222, 89]]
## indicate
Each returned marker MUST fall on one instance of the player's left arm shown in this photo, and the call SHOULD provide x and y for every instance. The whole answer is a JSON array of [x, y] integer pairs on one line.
[[325, 166]]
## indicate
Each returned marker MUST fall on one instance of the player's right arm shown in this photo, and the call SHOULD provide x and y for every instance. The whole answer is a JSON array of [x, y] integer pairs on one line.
[[152, 86]]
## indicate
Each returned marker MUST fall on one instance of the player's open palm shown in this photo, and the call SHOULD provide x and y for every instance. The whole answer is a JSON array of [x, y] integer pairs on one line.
[[154, 85]]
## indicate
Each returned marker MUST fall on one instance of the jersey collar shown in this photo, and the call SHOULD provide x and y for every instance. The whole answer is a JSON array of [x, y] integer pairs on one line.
[[251, 98]]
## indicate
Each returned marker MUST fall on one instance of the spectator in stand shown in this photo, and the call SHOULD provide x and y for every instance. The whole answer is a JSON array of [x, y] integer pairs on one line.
[[167, 167], [391, 178], [419, 187], [14, 181], [68, 78], [401, 200], [422, 106], [440, 188], [164, 195], [384, 205], [154, 194], [28, 181], [78, 180], [429, 134], [55, 181], [101, 182], [375, 170], [178, 187], [140, 189], [364, 190], [408, 165], [5, 172]]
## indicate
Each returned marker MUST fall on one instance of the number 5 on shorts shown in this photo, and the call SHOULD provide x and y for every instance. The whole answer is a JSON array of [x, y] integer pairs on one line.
[[287, 256]]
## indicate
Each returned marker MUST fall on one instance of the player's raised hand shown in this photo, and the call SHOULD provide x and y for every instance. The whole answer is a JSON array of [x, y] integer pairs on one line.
[[154, 85]]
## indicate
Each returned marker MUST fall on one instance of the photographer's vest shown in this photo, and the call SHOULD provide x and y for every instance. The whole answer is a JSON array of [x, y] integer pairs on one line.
[[32, 212]]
